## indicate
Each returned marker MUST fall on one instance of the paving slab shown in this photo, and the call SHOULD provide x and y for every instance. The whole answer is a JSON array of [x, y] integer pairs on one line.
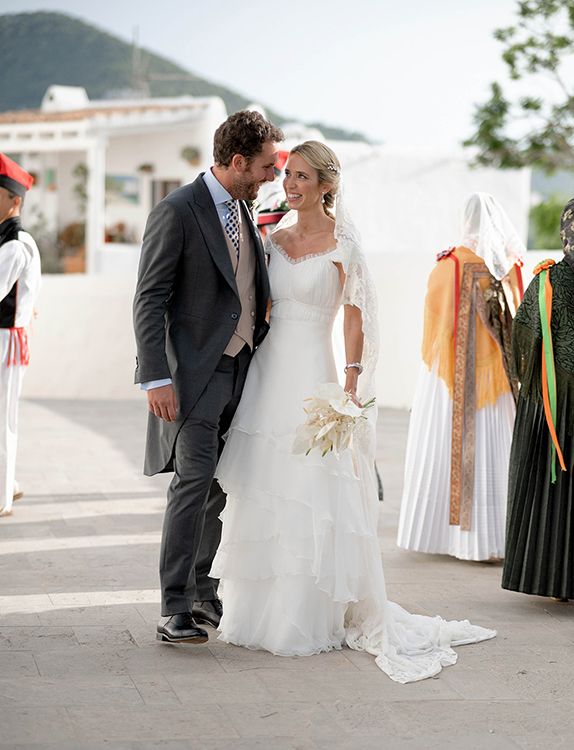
[[80, 668]]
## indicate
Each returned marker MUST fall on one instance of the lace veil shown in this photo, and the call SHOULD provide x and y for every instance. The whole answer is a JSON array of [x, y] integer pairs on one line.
[[359, 290]]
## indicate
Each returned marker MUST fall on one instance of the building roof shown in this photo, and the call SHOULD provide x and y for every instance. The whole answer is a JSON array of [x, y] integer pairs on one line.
[[108, 111]]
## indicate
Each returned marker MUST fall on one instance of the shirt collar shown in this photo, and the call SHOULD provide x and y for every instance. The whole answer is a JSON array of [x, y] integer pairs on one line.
[[216, 189]]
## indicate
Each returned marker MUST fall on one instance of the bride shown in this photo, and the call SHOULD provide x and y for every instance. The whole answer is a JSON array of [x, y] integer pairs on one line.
[[299, 561]]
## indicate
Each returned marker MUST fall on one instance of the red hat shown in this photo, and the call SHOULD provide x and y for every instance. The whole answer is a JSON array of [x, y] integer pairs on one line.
[[13, 177]]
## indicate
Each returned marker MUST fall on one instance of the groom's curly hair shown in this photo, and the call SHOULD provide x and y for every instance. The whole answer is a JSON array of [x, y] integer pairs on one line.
[[243, 133]]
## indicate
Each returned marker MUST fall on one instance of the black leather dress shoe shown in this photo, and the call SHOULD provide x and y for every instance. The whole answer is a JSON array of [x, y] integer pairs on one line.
[[181, 628], [209, 612]]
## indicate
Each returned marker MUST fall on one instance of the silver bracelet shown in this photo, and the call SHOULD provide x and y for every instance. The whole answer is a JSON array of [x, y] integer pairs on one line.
[[357, 365]]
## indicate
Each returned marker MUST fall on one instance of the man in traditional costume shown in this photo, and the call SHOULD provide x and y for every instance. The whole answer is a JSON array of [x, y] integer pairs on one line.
[[19, 284], [540, 533], [456, 471]]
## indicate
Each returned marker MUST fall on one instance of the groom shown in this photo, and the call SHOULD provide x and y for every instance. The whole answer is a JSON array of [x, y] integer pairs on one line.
[[199, 313]]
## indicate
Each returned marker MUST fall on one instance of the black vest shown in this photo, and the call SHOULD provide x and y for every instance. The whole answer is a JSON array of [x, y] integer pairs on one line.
[[9, 231]]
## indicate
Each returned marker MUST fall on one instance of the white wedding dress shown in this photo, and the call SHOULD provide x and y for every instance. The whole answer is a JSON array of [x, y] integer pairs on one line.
[[299, 560]]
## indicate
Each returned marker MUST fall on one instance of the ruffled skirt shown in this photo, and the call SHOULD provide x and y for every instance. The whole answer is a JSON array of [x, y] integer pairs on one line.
[[299, 561]]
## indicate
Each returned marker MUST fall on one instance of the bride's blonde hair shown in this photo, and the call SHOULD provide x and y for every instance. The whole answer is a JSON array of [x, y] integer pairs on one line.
[[324, 160]]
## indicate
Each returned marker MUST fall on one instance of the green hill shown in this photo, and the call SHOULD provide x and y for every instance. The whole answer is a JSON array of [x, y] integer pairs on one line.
[[40, 49]]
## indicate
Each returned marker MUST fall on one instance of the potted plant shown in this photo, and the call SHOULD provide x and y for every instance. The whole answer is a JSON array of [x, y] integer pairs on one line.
[[72, 238], [191, 154], [72, 243]]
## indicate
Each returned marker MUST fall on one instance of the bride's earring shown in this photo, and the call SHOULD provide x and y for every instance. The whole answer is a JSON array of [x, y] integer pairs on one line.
[[322, 197]]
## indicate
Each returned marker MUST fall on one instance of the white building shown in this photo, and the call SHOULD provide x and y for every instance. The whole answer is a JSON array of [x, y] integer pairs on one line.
[[135, 153]]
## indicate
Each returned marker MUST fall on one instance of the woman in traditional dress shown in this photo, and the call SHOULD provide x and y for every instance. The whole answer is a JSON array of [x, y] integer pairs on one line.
[[456, 470], [299, 559], [540, 533]]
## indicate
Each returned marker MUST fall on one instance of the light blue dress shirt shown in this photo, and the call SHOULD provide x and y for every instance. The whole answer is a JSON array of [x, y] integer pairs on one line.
[[220, 196]]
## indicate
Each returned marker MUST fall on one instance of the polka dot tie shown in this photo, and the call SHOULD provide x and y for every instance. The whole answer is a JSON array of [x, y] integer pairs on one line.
[[232, 224]]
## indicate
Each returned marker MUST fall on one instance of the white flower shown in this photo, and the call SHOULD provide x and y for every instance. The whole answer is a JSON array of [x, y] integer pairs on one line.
[[332, 417]]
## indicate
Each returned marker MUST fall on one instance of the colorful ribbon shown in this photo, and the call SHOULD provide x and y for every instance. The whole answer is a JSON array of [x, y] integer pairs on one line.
[[549, 396]]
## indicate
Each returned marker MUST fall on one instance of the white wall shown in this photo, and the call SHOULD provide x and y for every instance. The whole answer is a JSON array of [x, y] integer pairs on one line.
[[405, 201], [82, 341]]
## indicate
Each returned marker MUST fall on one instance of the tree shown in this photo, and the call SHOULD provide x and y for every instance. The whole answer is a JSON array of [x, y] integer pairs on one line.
[[545, 224], [537, 128]]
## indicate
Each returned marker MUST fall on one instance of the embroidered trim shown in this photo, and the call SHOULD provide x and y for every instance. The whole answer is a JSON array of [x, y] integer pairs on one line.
[[464, 401], [302, 258]]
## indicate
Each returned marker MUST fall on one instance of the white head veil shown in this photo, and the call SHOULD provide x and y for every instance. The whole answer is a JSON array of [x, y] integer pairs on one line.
[[487, 230]]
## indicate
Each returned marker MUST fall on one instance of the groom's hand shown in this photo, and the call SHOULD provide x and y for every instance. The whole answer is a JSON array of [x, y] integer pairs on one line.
[[163, 403]]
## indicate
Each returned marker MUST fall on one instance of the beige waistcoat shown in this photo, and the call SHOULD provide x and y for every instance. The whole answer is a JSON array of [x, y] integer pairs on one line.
[[245, 278]]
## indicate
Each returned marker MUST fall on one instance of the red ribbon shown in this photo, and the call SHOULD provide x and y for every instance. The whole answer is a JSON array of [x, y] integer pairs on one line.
[[518, 267], [18, 350], [453, 257]]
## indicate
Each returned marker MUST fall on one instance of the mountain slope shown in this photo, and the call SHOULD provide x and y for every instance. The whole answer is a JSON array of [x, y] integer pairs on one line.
[[65, 50]]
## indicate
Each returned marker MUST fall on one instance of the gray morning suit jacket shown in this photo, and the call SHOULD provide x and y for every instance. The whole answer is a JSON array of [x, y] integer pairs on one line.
[[186, 305]]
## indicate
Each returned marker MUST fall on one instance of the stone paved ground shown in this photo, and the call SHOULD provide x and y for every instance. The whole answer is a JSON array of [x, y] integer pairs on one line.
[[79, 666]]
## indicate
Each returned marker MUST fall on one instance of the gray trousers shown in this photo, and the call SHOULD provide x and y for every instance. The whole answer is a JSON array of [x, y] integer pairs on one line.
[[191, 527]]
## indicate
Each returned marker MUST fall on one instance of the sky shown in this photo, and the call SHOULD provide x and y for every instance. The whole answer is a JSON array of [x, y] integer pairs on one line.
[[404, 73]]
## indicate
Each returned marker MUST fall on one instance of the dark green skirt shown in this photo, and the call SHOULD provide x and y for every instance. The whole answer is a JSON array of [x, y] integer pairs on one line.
[[539, 556]]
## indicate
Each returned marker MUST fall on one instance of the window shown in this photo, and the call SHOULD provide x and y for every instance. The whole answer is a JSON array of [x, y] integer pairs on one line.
[[161, 188]]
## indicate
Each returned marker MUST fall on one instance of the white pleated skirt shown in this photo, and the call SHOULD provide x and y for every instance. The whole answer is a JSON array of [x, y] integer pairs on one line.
[[424, 518]]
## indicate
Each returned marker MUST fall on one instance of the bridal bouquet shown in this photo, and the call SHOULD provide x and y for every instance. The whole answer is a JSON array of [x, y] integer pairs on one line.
[[332, 418]]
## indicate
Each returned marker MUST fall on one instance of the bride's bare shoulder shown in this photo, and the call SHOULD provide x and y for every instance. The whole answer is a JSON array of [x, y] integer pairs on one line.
[[282, 234]]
